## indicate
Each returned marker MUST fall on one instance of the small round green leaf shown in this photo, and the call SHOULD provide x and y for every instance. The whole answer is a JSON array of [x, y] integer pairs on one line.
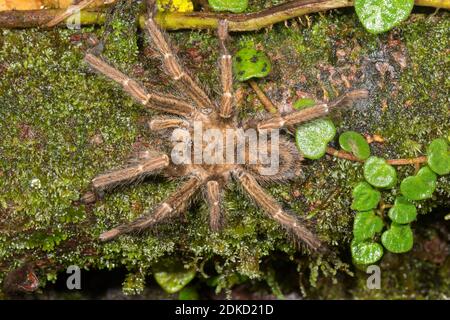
[[421, 186], [398, 238], [439, 156], [366, 252], [379, 16], [355, 143], [365, 197], [304, 103], [403, 211], [250, 63], [312, 137], [235, 6], [366, 225], [174, 281], [379, 173]]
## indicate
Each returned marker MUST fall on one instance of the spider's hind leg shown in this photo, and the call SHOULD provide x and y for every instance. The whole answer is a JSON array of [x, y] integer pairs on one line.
[[214, 199], [275, 211], [174, 204]]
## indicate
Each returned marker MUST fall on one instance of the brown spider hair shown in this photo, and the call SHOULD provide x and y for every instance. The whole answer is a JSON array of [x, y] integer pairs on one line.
[[211, 179]]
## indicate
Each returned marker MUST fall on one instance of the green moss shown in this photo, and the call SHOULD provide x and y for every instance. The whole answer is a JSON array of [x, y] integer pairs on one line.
[[61, 125]]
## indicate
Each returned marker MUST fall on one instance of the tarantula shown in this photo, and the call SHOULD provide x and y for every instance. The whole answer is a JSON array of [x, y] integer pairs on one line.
[[212, 179]]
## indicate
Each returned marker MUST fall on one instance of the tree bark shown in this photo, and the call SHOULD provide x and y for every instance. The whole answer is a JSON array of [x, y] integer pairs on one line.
[[199, 20]]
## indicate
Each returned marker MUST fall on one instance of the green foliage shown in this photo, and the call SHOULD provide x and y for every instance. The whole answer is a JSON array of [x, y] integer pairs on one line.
[[312, 138], [134, 283], [251, 63], [398, 238], [46, 85], [366, 252], [355, 143], [365, 197], [379, 16], [421, 186], [379, 173], [439, 156], [174, 280], [366, 225], [235, 6], [403, 211]]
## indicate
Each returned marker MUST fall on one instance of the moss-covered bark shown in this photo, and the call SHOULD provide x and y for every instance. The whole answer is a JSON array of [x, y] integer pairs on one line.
[[61, 124]]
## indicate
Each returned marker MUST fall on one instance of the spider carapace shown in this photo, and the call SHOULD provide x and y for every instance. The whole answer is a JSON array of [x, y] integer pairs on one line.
[[182, 116]]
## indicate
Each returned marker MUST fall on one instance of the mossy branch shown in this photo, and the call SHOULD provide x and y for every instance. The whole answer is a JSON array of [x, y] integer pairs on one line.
[[199, 20], [395, 162]]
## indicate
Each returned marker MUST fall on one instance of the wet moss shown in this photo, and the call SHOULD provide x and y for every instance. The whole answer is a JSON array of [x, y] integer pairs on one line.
[[61, 124]]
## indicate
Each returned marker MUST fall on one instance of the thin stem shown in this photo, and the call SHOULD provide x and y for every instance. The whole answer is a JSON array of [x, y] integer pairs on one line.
[[200, 20], [264, 18], [395, 162], [342, 154], [402, 162], [267, 103]]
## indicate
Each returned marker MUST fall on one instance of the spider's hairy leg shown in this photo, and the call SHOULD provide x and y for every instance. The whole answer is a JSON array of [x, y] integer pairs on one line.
[[226, 74], [274, 210], [130, 173], [138, 92], [174, 204], [172, 67], [213, 195], [160, 124], [309, 114]]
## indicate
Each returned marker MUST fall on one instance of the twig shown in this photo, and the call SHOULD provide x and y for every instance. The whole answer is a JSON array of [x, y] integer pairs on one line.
[[266, 102], [395, 162], [403, 162], [69, 12], [342, 154], [202, 20]]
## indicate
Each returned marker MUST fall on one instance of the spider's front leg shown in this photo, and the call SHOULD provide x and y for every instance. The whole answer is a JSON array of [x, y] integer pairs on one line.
[[166, 104], [172, 67], [308, 114], [226, 73]]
